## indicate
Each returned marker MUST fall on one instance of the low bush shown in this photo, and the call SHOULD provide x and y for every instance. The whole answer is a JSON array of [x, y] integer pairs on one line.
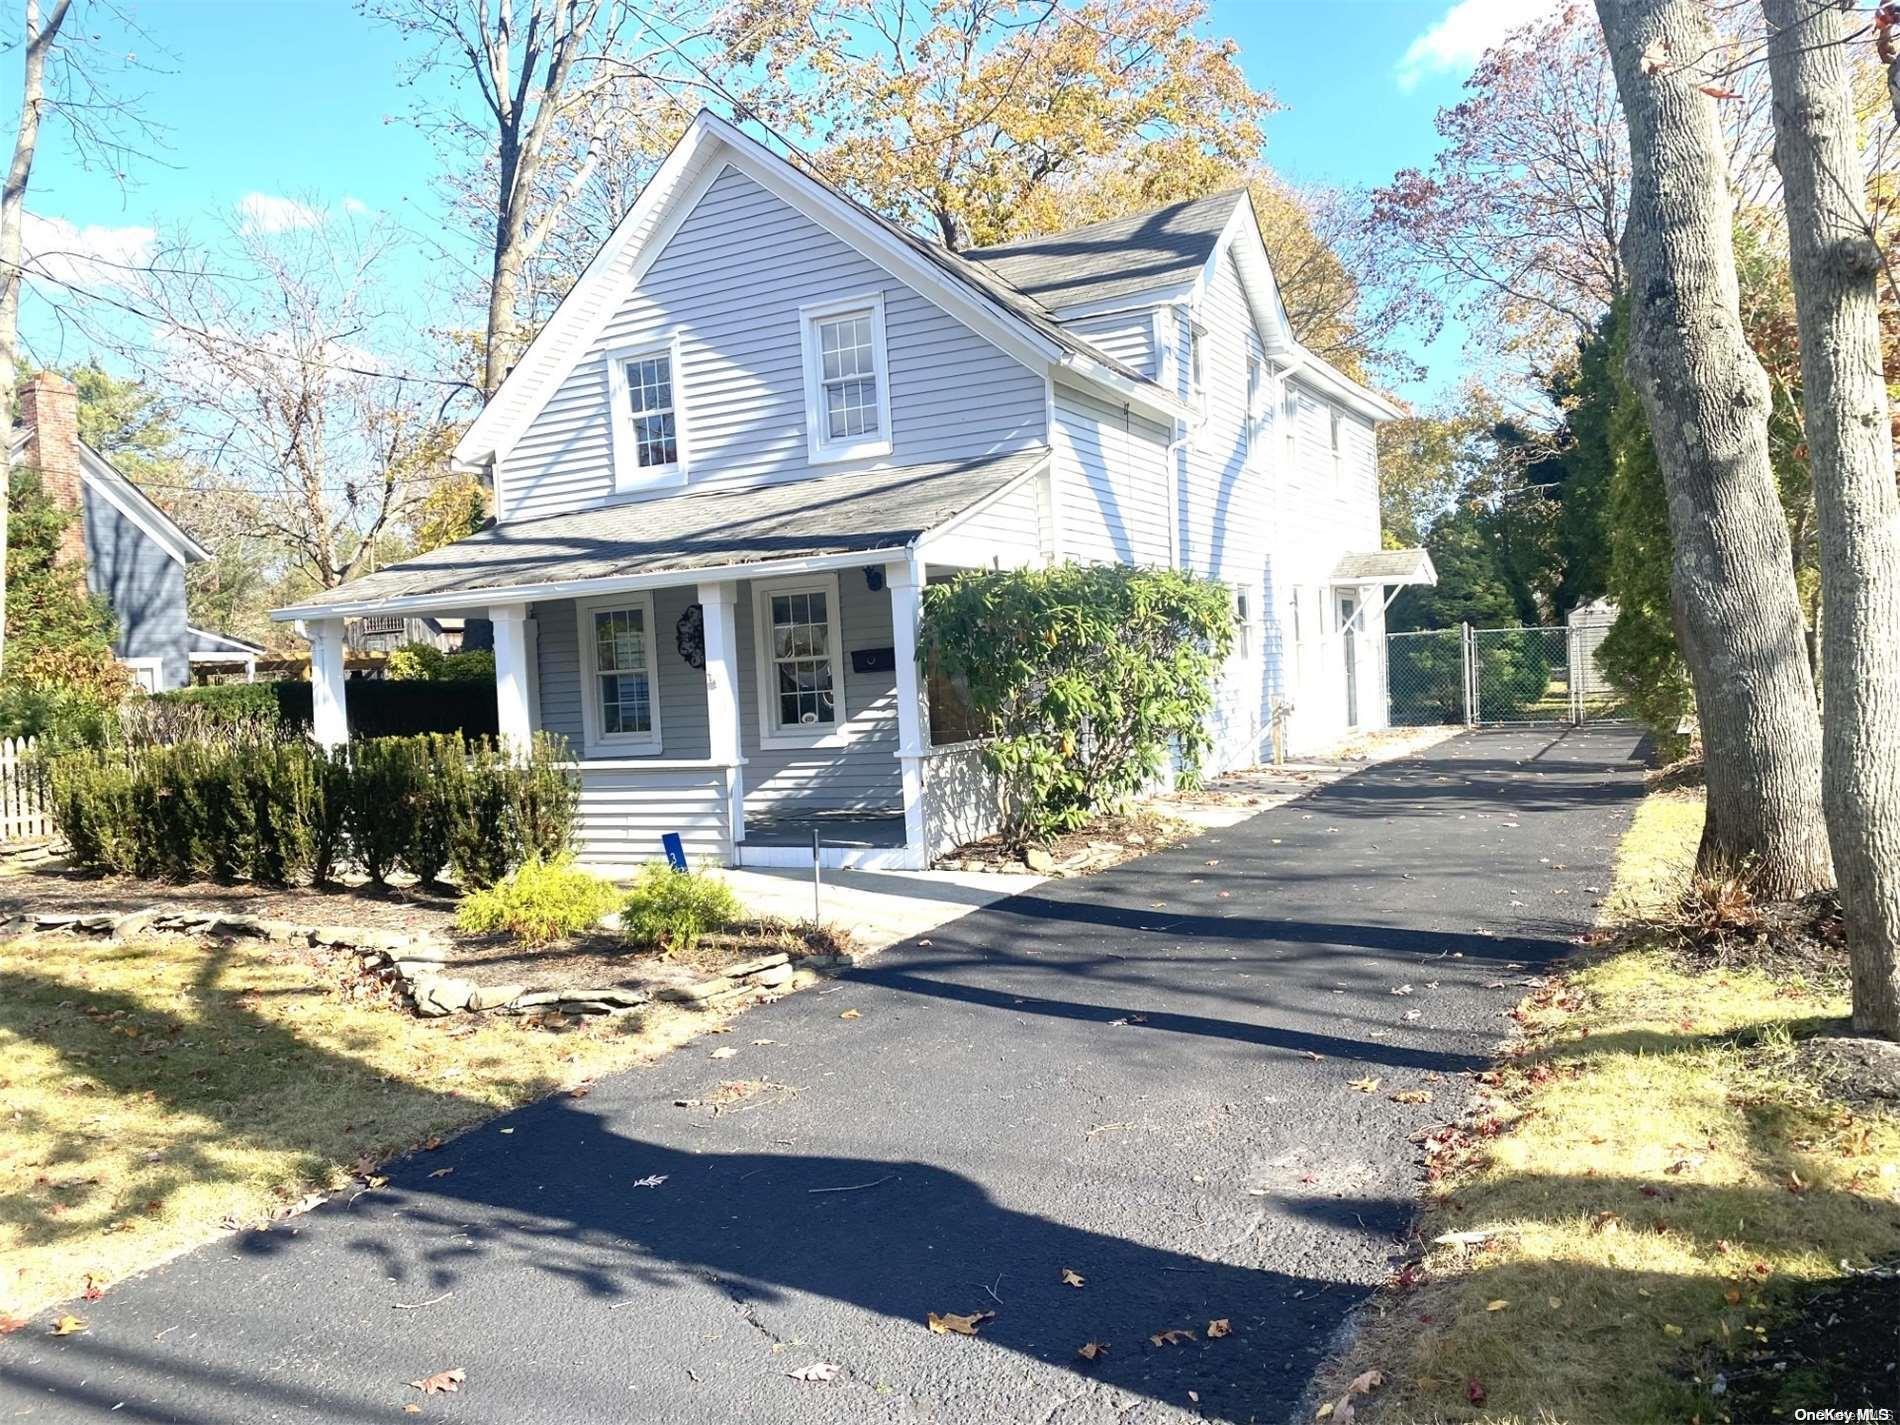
[[540, 901], [425, 663], [670, 910], [281, 809]]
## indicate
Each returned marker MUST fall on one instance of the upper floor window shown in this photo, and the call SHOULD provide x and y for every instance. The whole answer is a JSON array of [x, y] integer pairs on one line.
[[1243, 622], [1338, 440], [649, 416], [1256, 410], [1197, 367], [847, 379]]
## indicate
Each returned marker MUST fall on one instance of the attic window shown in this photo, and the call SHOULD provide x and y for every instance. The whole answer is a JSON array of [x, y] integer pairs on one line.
[[648, 416], [847, 379]]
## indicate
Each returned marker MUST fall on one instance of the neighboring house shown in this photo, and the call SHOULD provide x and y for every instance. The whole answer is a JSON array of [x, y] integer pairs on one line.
[[383, 633], [765, 418], [135, 556]]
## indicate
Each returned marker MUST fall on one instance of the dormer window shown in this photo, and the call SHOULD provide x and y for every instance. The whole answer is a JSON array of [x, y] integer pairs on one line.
[[847, 379], [649, 416]]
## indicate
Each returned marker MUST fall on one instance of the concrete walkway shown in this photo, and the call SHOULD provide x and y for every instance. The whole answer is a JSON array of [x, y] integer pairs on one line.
[[1143, 1077]]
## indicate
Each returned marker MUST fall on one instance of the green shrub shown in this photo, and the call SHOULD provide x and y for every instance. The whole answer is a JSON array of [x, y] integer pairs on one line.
[[424, 662], [539, 901], [671, 909], [277, 809], [61, 718], [1089, 675]]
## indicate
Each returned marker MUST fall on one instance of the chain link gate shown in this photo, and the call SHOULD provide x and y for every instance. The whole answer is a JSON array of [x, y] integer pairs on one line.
[[1498, 676]]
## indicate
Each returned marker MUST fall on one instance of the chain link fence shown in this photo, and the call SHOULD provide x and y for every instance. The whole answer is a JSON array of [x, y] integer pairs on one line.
[[1498, 676]]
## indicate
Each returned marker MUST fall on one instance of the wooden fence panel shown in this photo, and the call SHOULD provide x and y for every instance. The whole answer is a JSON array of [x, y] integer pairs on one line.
[[23, 810]]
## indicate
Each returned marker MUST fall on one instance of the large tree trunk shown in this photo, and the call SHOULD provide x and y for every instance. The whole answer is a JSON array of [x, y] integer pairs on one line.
[[39, 39], [1836, 268], [1707, 402]]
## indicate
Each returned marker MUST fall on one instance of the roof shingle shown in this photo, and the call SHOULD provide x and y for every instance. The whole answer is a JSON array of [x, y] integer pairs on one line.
[[697, 530]]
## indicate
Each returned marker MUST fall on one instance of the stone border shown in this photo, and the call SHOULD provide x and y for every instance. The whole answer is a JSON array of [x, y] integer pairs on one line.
[[413, 964]]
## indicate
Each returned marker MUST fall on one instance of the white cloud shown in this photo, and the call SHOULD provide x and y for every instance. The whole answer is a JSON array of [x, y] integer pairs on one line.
[[355, 207], [1462, 35], [267, 213], [90, 257]]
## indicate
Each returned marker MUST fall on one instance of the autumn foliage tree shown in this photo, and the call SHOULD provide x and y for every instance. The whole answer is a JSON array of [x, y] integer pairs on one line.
[[979, 120]]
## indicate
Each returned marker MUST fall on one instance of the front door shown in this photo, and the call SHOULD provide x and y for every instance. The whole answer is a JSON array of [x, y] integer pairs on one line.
[[1348, 608]]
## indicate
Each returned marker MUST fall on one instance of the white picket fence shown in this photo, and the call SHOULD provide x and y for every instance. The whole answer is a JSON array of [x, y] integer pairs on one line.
[[23, 812]]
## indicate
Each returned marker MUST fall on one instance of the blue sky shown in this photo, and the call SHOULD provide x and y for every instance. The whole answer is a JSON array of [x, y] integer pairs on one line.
[[303, 99]]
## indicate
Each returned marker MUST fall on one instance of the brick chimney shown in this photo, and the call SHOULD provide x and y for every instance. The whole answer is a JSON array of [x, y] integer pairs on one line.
[[49, 411]]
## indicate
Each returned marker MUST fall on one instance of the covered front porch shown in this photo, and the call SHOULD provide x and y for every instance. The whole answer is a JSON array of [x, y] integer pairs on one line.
[[766, 693]]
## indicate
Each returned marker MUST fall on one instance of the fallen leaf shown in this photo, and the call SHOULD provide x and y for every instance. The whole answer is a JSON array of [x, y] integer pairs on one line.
[[850, 1014], [1071, 1277], [412, 1409], [441, 1383], [1412, 1096], [951, 1324], [1401, 989], [650, 1180], [1499, 1305], [1091, 1350], [1171, 1338], [723, 1052], [69, 1325], [1325, 1411], [817, 1370], [375, 1180], [431, 1143], [1365, 1383], [1218, 1328], [1474, 1391], [1732, 1297], [1366, 1085], [93, 1290], [580, 1091], [10, 1324], [1556, 1303], [1671, 1329]]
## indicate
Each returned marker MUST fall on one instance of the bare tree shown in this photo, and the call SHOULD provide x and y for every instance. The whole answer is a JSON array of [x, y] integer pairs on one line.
[[301, 415], [1707, 402], [537, 67], [40, 37], [1836, 269]]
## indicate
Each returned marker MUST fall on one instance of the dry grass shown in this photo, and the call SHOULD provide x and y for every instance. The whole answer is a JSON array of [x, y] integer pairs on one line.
[[159, 1093], [1654, 1176]]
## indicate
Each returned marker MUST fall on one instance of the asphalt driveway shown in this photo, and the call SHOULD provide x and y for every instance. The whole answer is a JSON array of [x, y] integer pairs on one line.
[[1142, 1077]]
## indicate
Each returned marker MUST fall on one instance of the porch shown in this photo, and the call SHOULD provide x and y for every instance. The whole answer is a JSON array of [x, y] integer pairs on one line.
[[743, 703]]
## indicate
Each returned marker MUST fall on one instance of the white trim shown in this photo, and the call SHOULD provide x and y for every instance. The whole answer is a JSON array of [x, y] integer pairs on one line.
[[650, 764], [224, 638], [100, 477], [154, 666], [458, 599], [771, 734], [574, 327], [629, 475], [1139, 300], [594, 742], [820, 447]]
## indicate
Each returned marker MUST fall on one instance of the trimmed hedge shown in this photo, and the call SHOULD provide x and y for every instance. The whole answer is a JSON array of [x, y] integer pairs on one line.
[[283, 810], [377, 709]]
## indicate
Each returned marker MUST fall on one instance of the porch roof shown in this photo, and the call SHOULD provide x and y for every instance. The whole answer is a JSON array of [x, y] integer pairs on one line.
[[1386, 566], [632, 542]]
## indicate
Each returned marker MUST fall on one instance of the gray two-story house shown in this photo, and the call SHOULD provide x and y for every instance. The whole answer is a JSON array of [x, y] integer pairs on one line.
[[134, 554], [765, 418]]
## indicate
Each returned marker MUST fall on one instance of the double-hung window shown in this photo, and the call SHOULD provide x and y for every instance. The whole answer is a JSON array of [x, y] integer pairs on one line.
[[1338, 437], [649, 416], [1256, 409], [801, 668], [620, 678], [847, 379]]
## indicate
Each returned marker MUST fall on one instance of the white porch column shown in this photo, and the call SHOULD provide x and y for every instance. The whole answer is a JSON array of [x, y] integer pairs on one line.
[[905, 580], [329, 715], [513, 678], [719, 613]]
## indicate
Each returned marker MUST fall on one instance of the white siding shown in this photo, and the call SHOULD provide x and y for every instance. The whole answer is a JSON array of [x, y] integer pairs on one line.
[[1126, 336], [731, 279], [625, 810], [863, 773], [1111, 481], [1004, 534]]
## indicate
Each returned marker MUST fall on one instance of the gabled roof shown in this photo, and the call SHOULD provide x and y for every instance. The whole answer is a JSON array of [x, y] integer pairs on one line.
[[1105, 261], [665, 541], [1386, 566], [102, 477], [1014, 322]]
